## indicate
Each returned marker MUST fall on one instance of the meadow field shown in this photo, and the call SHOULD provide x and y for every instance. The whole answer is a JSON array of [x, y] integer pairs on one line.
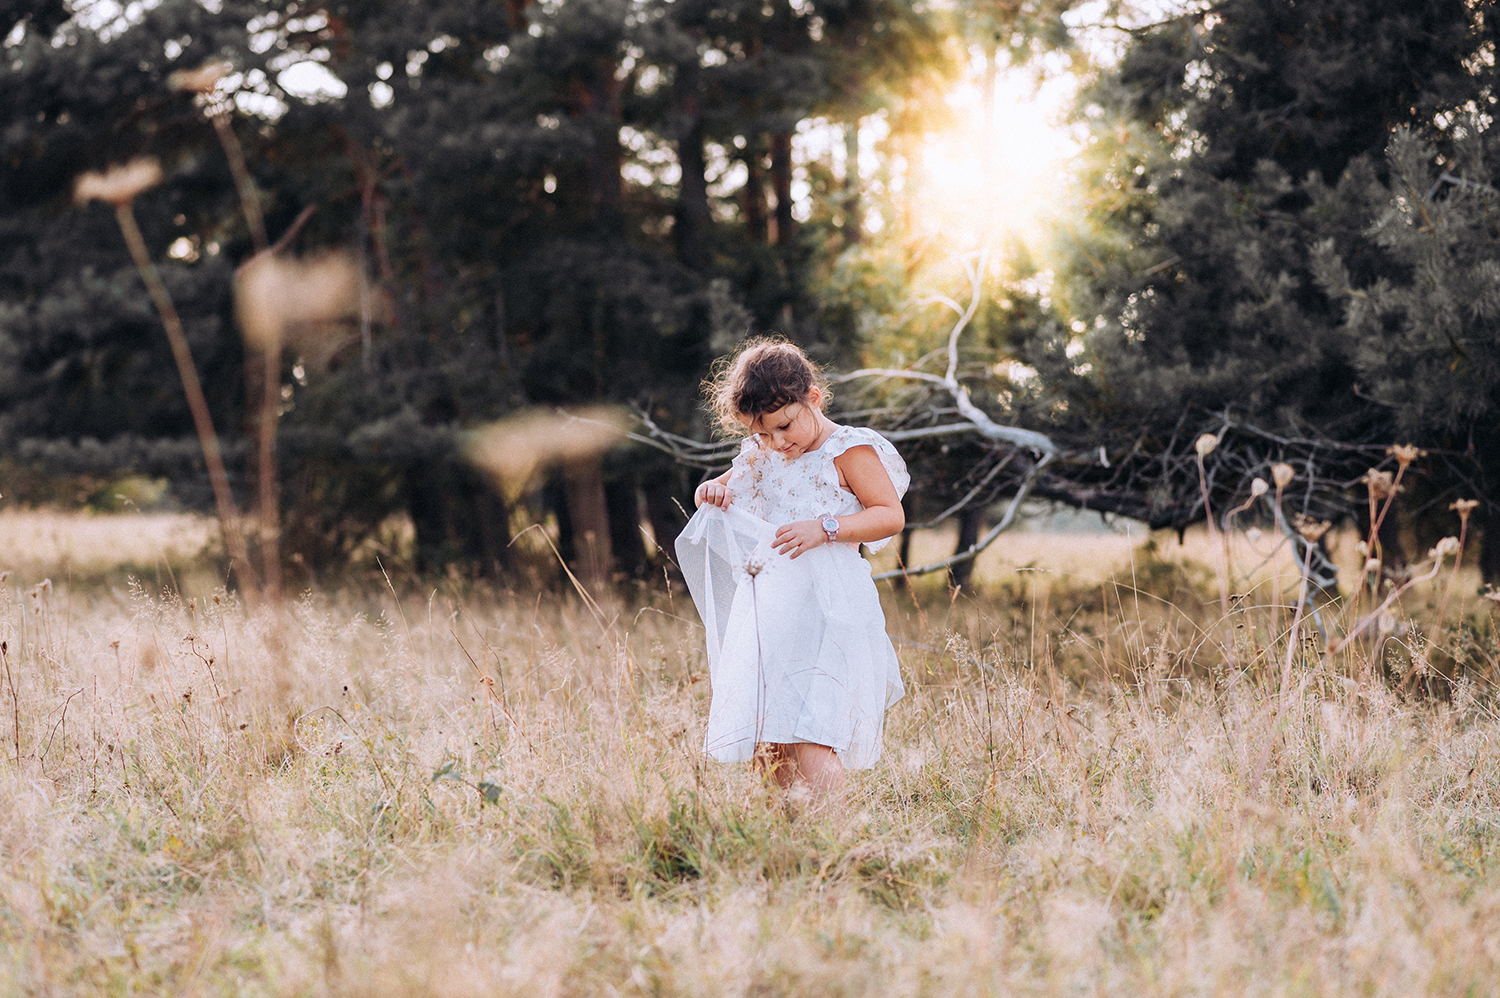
[[1099, 783]]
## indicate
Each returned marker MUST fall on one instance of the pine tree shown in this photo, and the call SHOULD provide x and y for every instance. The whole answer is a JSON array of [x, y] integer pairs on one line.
[[511, 177], [1425, 336], [1227, 145]]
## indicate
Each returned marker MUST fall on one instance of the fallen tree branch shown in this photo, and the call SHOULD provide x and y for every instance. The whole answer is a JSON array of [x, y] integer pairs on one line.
[[977, 548]]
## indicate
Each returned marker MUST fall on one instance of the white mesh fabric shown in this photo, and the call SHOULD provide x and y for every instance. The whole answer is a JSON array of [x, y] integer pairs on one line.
[[797, 651], [714, 551]]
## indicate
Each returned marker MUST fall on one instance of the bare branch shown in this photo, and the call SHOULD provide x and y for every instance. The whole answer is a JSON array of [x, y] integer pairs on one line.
[[989, 538]]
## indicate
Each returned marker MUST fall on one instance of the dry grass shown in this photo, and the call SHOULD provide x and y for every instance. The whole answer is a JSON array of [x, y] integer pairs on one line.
[[39, 543], [473, 792]]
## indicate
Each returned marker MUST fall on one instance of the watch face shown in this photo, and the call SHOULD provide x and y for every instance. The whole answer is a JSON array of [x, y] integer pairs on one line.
[[831, 525]]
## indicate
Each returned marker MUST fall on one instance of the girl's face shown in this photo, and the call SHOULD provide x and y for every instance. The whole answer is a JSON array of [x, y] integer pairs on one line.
[[792, 430]]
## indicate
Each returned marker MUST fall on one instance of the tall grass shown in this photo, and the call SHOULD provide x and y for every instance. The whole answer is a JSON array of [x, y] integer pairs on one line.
[[465, 791]]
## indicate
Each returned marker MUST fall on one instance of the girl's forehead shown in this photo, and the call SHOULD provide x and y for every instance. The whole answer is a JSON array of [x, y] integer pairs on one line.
[[766, 420]]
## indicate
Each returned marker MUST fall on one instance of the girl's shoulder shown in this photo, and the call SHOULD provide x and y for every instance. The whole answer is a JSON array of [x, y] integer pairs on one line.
[[750, 450], [845, 438]]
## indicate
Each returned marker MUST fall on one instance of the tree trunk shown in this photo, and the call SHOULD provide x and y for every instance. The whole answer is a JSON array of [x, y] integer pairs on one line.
[[494, 533], [970, 522], [596, 103], [903, 546], [1489, 545], [693, 220], [781, 184], [629, 547], [555, 498], [1390, 550], [457, 518], [753, 194], [589, 512], [666, 519], [854, 215]]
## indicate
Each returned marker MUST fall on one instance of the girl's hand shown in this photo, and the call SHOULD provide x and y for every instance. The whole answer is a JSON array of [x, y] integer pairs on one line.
[[799, 538], [714, 492]]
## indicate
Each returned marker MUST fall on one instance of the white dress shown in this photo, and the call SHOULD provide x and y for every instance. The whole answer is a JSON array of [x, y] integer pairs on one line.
[[797, 648]]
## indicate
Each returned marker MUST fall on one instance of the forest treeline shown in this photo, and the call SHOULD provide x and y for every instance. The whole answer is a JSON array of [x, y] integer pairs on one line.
[[1282, 230]]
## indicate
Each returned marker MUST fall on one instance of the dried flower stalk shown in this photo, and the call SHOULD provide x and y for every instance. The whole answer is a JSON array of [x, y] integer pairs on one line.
[[119, 187]]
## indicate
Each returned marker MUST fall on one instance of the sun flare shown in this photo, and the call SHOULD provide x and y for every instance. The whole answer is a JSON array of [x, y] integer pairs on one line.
[[981, 186]]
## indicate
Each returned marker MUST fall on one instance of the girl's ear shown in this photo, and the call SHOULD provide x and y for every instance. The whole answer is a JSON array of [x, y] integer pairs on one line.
[[815, 398]]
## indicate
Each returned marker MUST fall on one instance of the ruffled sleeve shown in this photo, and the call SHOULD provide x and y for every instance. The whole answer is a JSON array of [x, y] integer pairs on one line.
[[890, 459], [748, 447], [862, 436]]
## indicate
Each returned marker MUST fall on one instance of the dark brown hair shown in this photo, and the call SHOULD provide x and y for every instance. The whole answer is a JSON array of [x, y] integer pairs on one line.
[[763, 376]]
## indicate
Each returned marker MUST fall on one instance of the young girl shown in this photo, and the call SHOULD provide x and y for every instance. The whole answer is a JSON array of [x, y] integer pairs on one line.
[[801, 667]]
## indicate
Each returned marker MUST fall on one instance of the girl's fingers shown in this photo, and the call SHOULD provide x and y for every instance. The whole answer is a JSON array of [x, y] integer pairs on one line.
[[716, 495]]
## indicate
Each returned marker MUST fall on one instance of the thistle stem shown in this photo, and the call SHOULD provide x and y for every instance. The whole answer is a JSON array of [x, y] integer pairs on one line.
[[270, 499], [208, 439]]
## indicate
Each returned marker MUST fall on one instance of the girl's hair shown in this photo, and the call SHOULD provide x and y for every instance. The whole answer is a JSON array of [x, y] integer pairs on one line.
[[763, 376]]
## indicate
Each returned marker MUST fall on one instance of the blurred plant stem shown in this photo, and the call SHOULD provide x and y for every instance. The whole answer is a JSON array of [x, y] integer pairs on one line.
[[270, 374], [243, 183], [229, 518]]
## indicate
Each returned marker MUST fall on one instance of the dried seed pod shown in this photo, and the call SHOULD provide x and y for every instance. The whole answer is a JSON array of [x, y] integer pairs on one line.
[[1311, 530], [1380, 483], [1282, 474], [1463, 507], [1206, 444], [120, 184], [1259, 488], [1443, 549], [1405, 454]]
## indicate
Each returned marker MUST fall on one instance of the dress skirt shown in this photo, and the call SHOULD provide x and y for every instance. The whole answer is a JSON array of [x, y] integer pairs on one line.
[[797, 648]]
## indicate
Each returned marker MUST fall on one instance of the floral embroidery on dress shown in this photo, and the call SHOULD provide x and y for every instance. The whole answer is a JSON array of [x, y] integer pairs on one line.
[[766, 484]]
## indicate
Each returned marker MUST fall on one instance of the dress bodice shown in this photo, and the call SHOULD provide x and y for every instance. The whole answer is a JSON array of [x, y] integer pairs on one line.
[[766, 484]]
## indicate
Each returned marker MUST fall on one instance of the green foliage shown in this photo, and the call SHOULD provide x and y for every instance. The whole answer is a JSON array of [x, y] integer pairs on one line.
[[1232, 150], [1424, 337], [556, 204]]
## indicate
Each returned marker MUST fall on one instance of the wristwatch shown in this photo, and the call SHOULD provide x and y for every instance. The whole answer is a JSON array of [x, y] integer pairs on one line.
[[831, 528]]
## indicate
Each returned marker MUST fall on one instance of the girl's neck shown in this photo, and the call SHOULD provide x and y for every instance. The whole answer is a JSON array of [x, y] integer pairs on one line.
[[826, 427]]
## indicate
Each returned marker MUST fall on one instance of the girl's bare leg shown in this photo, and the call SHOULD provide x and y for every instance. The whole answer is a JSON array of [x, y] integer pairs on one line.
[[816, 767], [772, 759]]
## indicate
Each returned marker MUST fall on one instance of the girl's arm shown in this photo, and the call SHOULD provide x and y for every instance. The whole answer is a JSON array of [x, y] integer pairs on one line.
[[715, 490], [881, 517]]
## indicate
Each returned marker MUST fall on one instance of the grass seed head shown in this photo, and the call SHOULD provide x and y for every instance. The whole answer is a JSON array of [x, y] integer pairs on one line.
[[276, 296], [202, 80], [119, 184], [517, 447]]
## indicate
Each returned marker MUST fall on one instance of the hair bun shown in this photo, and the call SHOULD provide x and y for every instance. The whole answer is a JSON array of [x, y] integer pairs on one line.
[[765, 374]]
